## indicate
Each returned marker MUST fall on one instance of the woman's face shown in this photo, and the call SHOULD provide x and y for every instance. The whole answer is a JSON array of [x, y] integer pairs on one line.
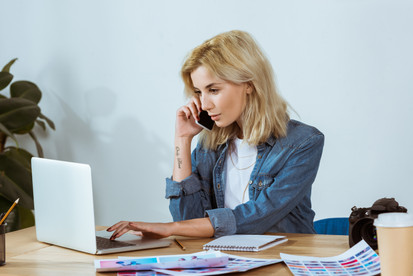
[[224, 101]]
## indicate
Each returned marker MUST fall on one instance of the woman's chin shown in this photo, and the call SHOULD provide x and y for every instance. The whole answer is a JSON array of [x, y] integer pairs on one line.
[[221, 124], [218, 124]]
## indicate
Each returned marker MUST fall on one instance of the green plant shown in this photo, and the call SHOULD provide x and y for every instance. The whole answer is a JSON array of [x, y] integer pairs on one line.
[[19, 113]]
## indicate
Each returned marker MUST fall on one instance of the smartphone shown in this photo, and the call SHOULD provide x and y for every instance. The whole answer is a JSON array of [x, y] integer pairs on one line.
[[205, 120]]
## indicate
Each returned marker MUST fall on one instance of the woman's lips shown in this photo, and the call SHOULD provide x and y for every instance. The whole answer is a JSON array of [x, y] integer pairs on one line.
[[215, 117]]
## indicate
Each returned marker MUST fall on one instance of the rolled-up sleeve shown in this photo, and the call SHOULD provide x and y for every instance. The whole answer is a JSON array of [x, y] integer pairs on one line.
[[186, 198], [187, 186], [223, 221]]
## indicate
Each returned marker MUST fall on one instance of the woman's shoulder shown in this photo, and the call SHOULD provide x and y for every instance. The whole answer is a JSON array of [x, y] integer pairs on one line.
[[297, 127], [299, 134]]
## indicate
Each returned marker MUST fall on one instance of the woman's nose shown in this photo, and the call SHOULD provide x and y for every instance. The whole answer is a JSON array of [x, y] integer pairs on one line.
[[206, 104]]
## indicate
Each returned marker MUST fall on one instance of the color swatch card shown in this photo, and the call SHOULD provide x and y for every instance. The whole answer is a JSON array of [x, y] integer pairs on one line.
[[235, 264], [197, 260], [361, 259]]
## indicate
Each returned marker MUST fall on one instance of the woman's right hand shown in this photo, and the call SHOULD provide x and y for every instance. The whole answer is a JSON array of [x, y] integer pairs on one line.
[[185, 126]]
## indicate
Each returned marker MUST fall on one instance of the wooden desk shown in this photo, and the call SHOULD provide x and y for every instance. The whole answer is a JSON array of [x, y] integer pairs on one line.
[[26, 256]]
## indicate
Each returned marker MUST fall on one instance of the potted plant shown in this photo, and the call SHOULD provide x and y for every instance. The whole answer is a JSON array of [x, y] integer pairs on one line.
[[19, 113]]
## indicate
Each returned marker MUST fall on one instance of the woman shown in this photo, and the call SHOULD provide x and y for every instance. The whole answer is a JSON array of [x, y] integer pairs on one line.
[[253, 172]]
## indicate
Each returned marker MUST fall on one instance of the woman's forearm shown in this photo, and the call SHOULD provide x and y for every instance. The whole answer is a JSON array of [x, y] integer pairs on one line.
[[182, 159], [200, 227]]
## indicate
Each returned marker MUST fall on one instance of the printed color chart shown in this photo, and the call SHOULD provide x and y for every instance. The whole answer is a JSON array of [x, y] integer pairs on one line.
[[358, 260]]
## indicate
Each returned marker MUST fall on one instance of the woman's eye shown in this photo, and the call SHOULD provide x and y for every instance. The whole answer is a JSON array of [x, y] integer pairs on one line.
[[212, 90], [197, 92]]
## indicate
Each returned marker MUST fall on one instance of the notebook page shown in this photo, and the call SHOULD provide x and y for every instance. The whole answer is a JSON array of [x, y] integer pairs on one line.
[[244, 242]]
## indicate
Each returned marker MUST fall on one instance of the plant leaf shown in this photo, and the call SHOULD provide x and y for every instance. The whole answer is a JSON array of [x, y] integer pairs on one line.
[[16, 113], [41, 124], [20, 155], [8, 133], [4, 203], [26, 217], [5, 79], [6, 68], [24, 129], [38, 146], [48, 121], [26, 90], [17, 173], [11, 190]]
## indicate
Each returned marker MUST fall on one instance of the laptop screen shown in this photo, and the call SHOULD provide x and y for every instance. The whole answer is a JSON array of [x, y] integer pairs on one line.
[[63, 204]]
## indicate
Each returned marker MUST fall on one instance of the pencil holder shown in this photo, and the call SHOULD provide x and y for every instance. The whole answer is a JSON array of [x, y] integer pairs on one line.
[[3, 244]]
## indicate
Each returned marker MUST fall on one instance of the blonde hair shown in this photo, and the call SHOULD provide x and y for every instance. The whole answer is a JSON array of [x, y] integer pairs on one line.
[[235, 57]]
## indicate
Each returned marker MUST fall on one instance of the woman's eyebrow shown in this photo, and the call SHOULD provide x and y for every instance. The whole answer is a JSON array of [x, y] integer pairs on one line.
[[209, 85]]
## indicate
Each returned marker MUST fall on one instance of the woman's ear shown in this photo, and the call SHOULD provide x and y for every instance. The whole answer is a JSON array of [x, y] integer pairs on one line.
[[249, 87]]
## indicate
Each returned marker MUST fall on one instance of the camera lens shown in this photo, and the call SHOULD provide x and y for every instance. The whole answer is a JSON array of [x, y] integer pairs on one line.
[[363, 229], [368, 233]]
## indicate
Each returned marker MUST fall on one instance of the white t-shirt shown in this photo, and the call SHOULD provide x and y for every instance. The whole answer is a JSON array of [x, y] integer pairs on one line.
[[239, 165]]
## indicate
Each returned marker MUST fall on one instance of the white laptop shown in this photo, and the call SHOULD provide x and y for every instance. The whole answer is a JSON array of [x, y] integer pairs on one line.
[[64, 214]]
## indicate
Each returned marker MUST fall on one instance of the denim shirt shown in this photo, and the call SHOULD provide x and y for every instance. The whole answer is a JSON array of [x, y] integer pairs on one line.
[[279, 186]]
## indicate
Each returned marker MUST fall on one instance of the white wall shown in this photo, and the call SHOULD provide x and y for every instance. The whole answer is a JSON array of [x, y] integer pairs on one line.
[[109, 72]]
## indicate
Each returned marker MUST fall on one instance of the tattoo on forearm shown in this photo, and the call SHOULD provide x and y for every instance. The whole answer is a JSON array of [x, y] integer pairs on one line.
[[179, 162], [177, 149]]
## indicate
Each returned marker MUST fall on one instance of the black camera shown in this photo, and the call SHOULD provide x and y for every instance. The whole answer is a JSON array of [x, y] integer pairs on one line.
[[361, 220]]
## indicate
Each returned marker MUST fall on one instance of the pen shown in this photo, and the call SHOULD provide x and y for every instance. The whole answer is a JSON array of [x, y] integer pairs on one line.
[[8, 212], [180, 244]]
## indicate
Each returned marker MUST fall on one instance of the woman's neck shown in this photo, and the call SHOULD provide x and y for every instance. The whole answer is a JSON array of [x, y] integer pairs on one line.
[[240, 133]]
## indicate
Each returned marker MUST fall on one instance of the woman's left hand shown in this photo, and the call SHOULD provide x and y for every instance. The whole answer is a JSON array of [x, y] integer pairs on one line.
[[147, 229]]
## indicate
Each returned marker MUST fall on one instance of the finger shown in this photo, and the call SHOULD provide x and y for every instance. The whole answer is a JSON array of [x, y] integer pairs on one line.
[[184, 110], [120, 230], [194, 110], [119, 233], [116, 226], [197, 102]]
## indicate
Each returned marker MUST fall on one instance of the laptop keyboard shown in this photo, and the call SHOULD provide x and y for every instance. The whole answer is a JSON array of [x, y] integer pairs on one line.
[[104, 243]]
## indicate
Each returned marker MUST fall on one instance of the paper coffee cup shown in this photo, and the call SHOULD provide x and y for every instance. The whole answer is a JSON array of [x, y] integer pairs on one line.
[[395, 241]]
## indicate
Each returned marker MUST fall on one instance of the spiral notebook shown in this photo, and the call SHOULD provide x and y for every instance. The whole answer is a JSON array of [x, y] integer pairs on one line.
[[245, 242]]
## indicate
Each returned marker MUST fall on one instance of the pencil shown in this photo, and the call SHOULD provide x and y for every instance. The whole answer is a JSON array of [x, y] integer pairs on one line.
[[8, 212], [180, 244]]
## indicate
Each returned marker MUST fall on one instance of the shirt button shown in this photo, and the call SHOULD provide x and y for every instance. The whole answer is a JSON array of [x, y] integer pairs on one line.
[[260, 183], [259, 156], [219, 186]]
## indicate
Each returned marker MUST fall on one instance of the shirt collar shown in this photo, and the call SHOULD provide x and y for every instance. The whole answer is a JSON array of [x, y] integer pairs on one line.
[[270, 141]]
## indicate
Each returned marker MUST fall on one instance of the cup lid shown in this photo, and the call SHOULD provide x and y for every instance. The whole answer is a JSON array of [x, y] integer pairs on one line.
[[394, 220]]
